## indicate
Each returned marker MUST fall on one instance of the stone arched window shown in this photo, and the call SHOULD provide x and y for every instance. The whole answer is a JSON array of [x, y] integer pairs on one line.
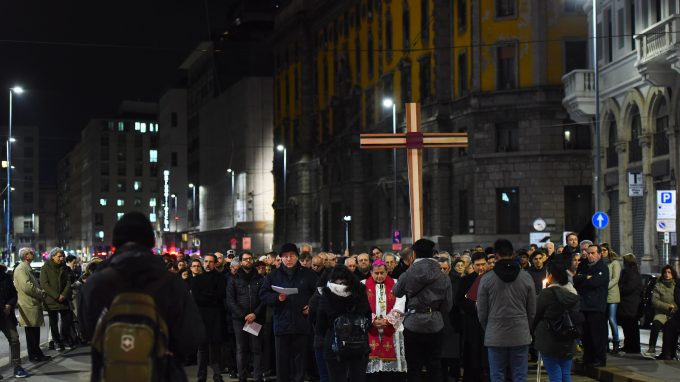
[[612, 155], [660, 125], [634, 148]]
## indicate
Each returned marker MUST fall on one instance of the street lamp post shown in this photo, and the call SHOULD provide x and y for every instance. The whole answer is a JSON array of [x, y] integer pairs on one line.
[[233, 200], [388, 103], [193, 203], [598, 170], [347, 219], [283, 149], [12, 91]]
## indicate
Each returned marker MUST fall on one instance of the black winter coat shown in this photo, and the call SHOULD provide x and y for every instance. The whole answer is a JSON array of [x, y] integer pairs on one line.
[[630, 287], [243, 296], [593, 290], [8, 296], [135, 268], [331, 307], [538, 275], [288, 316], [398, 270], [209, 291]]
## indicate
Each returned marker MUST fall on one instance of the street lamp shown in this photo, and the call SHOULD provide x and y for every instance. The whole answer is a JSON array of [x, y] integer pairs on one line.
[[193, 203], [174, 197], [388, 103], [347, 219], [233, 201], [282, 148], [15, 90]]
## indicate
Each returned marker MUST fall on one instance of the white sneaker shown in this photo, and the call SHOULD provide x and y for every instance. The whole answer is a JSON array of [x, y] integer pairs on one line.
[[651, 354]]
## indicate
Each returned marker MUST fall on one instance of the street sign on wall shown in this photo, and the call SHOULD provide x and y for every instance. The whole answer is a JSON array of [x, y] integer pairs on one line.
[[636, 184], [665, 204]]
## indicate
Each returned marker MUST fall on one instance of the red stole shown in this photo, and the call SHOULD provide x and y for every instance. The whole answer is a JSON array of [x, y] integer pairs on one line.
[[381, 347]]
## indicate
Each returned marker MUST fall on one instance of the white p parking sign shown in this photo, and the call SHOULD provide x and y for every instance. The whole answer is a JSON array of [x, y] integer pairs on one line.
[[665, 203]]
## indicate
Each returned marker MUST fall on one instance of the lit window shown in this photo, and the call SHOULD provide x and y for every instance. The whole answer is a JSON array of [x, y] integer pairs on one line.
[[152, 217], [102, 201], [120, 202], [137, 126], [119, 215], [153, 156], [121, 126], [137, 185], [152, 202], [142, 127], [100, 234]]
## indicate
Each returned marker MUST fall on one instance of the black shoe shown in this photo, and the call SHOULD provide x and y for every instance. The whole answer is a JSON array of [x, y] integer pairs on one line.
[[51, 345], [597, 364], [42, 358], [233, 374], [60, 346]]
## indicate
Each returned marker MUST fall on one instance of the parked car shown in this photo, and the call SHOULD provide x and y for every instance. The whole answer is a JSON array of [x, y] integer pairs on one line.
[[36, 266]]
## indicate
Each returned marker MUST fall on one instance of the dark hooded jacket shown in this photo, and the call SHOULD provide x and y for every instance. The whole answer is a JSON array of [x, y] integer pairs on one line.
[[332, 306], [134, 269], [630, 286], [506, 303], [428, 293], [551, 304]]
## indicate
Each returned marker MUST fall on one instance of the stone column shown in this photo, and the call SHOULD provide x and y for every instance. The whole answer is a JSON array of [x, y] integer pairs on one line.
[[650, 196], [625, 206], [674, 156]]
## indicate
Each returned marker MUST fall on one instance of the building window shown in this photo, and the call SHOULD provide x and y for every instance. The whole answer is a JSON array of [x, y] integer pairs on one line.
[[462, 74], [120, 202], [119, 215], [138, 141], [152, 217], [137, 186], [28, 151], [104, 185], [100, 234], [573, 55], [369, 54], [573, 6], [103, 202], [406, 25], [634, 148], [507, 210], [98, 218], [612, 155], [152, 202], [660, 138], [173, 119], [506, 66], [507, 137], [424, 20], [406, 83], [104, 168], [576, 136], [104, 140], [28, 197], [28, 226], [121, 168], [104, 154], [388, 34], [153, 156], [138, 169], [121, 126], [173, 159], [505, 8], [120, 186], [137, 202], [153, 169], [425, 78], [462, 16]]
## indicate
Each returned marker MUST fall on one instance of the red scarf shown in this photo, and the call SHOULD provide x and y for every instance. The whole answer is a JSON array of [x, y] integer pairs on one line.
[[381, 347]]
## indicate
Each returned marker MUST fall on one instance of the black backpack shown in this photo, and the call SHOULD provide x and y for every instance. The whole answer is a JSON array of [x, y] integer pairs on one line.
[[568, 325], [350, 335]]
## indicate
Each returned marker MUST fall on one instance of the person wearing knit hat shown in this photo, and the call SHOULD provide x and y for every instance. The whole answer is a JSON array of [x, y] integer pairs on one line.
[[134, 268], [430, 298]]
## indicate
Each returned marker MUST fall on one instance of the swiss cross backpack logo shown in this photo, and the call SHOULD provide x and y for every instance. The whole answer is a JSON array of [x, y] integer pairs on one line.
[[127, 342]]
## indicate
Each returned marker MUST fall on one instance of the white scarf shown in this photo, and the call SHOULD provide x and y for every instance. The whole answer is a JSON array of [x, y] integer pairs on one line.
[[338, 289]]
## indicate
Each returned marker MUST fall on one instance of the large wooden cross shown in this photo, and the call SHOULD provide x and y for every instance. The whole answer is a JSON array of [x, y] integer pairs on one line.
[[413, 141]]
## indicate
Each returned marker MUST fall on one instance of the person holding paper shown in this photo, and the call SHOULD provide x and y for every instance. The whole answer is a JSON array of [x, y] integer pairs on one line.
[[246, 309], [291, 313]]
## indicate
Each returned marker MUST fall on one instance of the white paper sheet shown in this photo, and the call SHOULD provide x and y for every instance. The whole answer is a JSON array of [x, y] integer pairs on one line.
[[286, 291], [252, 328]]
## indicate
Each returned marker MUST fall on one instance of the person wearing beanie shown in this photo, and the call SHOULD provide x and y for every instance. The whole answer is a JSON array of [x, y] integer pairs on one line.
[[506, 303], [55, 280], [291, 324], [133, 267], [428, 295]]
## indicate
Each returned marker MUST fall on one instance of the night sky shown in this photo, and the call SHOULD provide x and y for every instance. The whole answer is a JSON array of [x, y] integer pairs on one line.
[[79, 59]]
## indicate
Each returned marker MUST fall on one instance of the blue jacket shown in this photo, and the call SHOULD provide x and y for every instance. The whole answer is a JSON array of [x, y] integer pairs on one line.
[[593, 291], [288, 316]]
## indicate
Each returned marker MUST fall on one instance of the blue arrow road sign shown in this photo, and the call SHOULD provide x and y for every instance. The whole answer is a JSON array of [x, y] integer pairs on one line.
[[600, 220]]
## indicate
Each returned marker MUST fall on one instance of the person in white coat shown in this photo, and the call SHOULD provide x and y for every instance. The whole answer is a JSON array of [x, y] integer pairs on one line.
[[30, 302]]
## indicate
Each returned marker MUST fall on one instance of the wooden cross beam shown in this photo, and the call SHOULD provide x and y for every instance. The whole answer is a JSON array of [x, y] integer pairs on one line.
[[413, 141]]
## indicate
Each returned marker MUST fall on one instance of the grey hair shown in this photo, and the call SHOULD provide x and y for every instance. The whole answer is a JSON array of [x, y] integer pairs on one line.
[[588, 242], [25, 251]]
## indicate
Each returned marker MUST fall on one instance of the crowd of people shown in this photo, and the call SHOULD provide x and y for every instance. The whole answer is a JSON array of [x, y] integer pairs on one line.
[[480, 315]]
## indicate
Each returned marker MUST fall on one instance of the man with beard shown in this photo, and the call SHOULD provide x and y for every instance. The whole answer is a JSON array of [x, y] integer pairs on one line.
[[291, 324], [219, 263], [475, 361], [244, 303], [208, 290]]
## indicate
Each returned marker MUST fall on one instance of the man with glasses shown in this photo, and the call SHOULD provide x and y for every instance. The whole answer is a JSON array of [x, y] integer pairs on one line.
[[246, 308], [291, 324]]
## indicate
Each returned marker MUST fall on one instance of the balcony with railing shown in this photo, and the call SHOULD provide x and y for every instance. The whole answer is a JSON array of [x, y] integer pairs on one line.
[[579, 94], [658, 49]]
